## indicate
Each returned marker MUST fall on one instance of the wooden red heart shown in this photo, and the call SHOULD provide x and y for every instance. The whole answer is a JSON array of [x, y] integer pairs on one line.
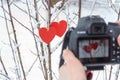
[[47, 35], [60, 27]]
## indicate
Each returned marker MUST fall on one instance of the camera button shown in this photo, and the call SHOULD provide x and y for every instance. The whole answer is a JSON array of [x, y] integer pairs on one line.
[[118, 57], [118, 48], [111, 31], [118, 60], [114, 52], [113, 44], [113, 38], [118, 52], [113, 59]]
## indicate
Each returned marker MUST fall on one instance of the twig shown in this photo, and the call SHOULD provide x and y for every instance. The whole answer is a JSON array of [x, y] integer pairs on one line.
[[5, 76], [44, 62], [112, 6], [72, 19], [105, 70], [30, 14], [97, 75], [92, 7], [44, 5], [32, 66], [117, 72], [22, 24], [1, 61], [4, 17], [118, 15], [36, 13], [22, 10], [44, 69], [62, 4], [15, 37], [110, 72], [48, 46], [32, 26], [55, 76], [33, 31], [60, 10], [79, 11], [57, 46]]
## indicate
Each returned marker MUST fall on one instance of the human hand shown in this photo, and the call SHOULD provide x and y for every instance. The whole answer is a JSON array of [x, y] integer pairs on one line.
[[72, 69]]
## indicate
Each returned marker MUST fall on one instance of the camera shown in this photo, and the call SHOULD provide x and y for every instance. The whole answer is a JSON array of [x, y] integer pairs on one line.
[[94, 42]]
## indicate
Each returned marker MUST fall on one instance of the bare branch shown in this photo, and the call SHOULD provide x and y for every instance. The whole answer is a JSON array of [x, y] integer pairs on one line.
[[5, 76], [117, 72], [23, 10], [4, 18], [93, 7], [33, 32], [1, 61], [44, 5], [22, 24], [48, 46], [15, 37], [56, 46], [31, 66], [118, 15], [110, 72], [112, 6], [79, 11], [18, 75]]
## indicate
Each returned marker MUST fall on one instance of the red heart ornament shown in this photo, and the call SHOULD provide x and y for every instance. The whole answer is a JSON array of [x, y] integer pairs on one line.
[[56, 28], [60, 27], [87, 49], [47, 35], [94, 45]]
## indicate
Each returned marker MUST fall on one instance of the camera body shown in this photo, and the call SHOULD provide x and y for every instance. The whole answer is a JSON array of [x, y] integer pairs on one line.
[[94, 42]]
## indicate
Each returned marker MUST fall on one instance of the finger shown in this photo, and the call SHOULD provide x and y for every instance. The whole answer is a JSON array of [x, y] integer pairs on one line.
[[118, 39], [118, 22], [68, 55]]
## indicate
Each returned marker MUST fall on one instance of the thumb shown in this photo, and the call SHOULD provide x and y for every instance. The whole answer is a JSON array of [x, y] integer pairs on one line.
[[68, 55], [118, 22]]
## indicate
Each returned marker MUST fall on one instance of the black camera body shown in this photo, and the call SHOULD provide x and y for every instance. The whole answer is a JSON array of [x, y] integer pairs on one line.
[[94, 42]]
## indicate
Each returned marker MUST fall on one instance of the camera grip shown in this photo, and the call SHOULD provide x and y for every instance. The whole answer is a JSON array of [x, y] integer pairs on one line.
[[65, 44]]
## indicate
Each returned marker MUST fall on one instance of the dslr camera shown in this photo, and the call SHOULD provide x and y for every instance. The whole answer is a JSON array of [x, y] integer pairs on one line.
[[94, 42]]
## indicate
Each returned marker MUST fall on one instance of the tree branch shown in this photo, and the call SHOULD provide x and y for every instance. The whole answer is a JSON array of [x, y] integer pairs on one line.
[[16, 41]]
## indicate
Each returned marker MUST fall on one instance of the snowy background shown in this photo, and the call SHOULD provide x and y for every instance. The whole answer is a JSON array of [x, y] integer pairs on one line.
[[108, 9]]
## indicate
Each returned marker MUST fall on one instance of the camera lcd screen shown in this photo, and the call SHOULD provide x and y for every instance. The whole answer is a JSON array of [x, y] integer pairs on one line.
[[94, 50]]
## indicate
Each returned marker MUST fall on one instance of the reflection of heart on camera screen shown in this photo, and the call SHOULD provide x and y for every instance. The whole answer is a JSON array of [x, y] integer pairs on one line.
[[88, 48]]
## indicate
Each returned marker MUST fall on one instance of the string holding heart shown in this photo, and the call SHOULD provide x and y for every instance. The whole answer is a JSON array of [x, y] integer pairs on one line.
[[55, 28]]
